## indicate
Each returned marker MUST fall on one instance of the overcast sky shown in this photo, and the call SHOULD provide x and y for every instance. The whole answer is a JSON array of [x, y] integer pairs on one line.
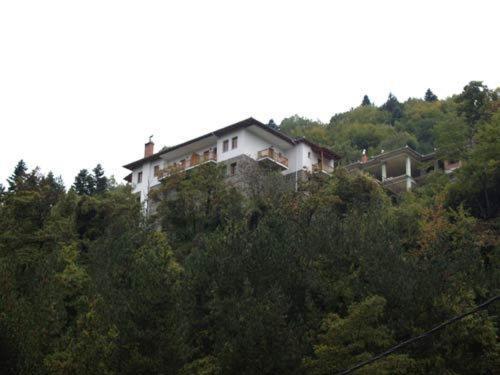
[[86, 82]]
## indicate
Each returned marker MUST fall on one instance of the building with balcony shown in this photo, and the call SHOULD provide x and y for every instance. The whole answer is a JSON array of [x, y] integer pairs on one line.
[[402, 169], [246, 141]]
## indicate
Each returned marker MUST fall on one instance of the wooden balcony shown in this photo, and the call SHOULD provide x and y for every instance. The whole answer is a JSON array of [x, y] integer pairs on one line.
[[273, 159], [322, 168], [193, 161]]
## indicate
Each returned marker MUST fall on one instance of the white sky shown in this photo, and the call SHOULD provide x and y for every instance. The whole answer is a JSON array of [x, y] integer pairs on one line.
[[83, 82]]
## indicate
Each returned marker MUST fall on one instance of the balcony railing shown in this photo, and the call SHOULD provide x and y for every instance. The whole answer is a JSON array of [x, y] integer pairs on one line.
[[322, 168], [193, 161], [270, 153]]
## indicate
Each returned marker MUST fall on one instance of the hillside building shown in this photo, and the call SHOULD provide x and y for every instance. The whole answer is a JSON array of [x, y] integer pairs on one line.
[[246, 141]]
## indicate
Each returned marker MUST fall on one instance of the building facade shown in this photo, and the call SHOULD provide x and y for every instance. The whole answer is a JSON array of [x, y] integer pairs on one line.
[[402, 169], [247, 140]]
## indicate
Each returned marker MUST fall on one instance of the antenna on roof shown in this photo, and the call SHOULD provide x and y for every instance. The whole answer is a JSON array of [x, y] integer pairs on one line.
[[151, 136]]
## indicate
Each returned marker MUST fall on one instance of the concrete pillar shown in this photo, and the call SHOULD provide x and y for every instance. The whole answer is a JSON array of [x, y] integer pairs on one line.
[[408, 173], [384, 171]]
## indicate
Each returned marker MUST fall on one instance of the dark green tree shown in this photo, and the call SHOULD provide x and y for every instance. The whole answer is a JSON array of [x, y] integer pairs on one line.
[[19, 176], [101, 181], [430, 96], [475, 105], [84, 183], [394, 107], [273, 125], [366, 101]]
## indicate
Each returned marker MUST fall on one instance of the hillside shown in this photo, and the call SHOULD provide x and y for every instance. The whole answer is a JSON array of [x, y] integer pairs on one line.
[[272, 281]]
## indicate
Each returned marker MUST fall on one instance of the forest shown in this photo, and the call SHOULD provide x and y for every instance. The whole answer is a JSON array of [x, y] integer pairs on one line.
[[269, 281]]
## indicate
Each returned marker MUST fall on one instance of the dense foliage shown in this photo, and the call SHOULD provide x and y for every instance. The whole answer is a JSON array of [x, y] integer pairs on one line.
[[264, 280]]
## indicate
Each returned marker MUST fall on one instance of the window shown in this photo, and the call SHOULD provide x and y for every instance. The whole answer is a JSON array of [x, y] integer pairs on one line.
[[139, 177], [234, 142], [156, 171], [206, 155], [232, 169], [309, 154], [225, 145]]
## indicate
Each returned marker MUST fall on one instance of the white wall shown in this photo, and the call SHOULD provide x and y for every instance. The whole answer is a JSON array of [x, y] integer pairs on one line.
[[231, 153], [148, 178], [248, 144]]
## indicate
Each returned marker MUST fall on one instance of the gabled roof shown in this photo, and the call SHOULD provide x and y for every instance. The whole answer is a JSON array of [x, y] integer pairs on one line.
[[319, 149], [239, 125]]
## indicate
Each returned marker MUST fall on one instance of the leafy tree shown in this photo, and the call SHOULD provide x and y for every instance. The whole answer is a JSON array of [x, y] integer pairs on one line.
[[475, 105], [478, 181], [430, 96], [347, 341], [298, 126], [366, 101]]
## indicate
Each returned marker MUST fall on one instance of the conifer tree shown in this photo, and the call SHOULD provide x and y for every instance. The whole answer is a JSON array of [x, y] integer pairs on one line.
[[19, 175], [366, 101], [101, 181], [393, 106], [84, 183], [430, 96], [272, 124]]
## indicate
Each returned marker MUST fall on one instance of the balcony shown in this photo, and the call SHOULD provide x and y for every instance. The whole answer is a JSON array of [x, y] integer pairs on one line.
[[322, 168], [273, 159], [191, 162]]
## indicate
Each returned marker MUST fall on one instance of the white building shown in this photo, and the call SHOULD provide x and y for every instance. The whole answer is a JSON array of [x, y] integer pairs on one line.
[[247, 139]]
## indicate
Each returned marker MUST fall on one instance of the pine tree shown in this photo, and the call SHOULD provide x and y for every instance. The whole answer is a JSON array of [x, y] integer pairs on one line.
[[393, 106], [84, 183], [101, 181], [272, 124], [19, 175], [430, 96], [366, 101]]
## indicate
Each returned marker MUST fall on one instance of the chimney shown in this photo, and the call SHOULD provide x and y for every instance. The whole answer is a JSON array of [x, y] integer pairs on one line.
[[149, 148], [364, 157]]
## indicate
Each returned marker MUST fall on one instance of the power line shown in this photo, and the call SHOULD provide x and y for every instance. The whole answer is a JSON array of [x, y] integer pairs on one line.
[[416, 338]]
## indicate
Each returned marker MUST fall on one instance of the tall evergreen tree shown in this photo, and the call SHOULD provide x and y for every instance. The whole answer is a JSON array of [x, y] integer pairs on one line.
[[101, 181], [393, 106], [430, 96], [19, 176], [84, 183], [272, 124], [366, 101]]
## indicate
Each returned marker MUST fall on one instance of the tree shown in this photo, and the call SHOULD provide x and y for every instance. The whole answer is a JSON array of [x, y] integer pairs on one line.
[[478, 181], [19, 176], [366, 101], [272, 125], [393, 106], [100, 180], [429, 96], [84, 183], [475, 105], [347, 341]]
